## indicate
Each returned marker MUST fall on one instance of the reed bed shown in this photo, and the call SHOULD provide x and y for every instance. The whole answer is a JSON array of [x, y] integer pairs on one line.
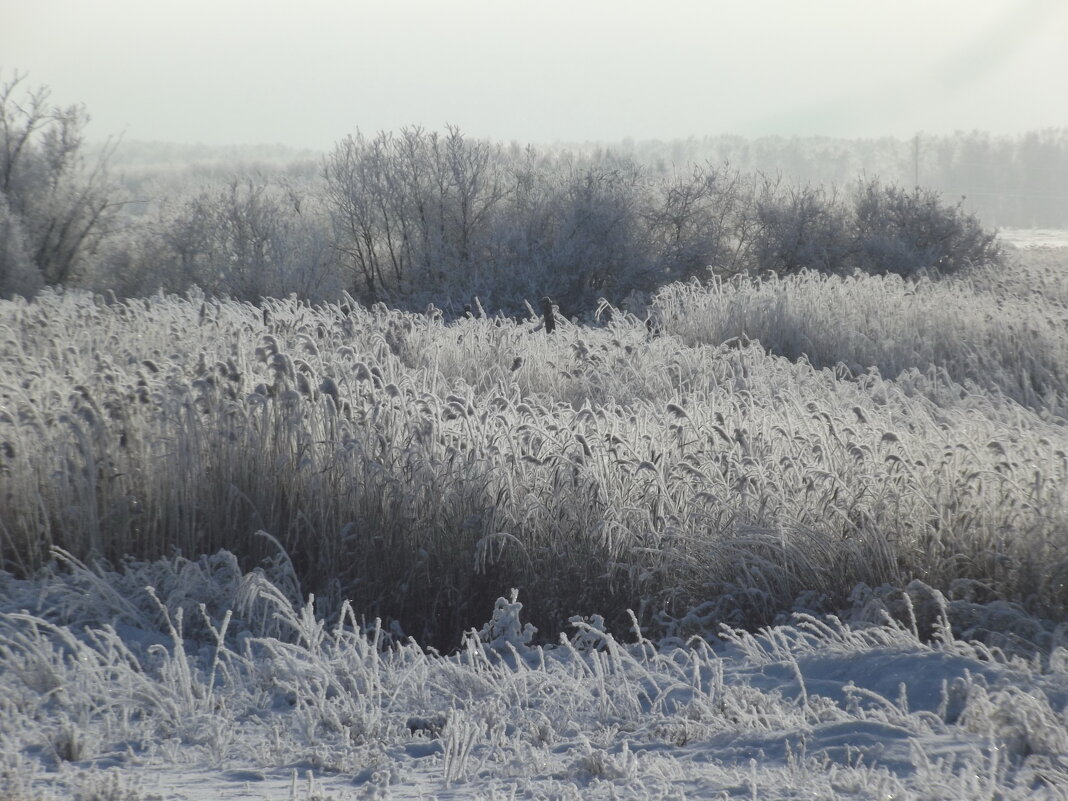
[[419, 468], [1037, 273], [1001, 343]]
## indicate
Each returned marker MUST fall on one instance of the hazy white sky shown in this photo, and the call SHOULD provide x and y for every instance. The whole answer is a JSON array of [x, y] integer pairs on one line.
[[307, 72]]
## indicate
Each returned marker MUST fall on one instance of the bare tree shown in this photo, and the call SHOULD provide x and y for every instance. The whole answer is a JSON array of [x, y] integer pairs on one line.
[[477, 181], [413, 211], [64, 203], [351, 191]]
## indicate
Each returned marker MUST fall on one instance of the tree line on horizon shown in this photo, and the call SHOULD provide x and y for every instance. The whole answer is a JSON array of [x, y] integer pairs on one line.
[[413, 217]]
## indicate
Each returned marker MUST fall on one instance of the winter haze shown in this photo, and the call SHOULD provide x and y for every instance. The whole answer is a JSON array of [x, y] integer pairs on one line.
[[305, 74]]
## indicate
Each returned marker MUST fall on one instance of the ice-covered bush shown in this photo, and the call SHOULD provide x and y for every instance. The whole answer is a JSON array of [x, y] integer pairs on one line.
[[799, 228], [914, 232], [876, 228]]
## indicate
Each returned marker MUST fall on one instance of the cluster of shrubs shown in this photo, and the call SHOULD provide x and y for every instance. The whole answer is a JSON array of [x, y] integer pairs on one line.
[[417, 216], [874, 228]]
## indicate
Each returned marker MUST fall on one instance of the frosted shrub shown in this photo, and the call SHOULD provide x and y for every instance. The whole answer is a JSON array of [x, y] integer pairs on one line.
[[912, 232], [800, 228], [875, 228]]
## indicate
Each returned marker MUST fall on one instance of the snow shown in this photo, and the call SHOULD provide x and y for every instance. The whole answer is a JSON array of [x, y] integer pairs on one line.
[[1034, 237], [105, 700]]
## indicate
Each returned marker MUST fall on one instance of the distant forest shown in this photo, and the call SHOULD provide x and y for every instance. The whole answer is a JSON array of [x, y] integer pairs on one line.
[[1007, 181]]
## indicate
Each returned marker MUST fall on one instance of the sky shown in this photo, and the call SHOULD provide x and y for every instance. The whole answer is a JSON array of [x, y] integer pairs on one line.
[[307, 73]]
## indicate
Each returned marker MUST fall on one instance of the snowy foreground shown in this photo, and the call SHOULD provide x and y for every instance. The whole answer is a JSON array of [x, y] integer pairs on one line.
[[179, 679]]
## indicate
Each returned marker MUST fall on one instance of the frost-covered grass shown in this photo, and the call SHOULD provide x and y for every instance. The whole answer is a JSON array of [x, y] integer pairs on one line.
[[420, 468], [752, 575], [179, 679], [1013, 342], [1039, 274]]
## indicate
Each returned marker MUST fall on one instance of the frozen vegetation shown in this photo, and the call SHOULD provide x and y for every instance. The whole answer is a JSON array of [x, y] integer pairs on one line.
[[110, 691], [414, 216], [793, 537]]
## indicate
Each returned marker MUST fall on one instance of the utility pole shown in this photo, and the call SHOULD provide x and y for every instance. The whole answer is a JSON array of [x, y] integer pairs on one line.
[[916, 160]]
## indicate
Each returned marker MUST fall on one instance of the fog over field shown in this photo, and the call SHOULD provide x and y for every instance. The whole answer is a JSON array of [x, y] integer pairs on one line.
[[242, 72], [551, 401]]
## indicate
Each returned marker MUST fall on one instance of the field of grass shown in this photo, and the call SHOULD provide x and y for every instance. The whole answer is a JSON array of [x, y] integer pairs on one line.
[[772, 439], [893, 453]]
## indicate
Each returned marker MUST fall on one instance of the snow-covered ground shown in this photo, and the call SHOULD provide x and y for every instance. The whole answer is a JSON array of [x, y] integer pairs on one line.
[[1034, 237], [107, 692]]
